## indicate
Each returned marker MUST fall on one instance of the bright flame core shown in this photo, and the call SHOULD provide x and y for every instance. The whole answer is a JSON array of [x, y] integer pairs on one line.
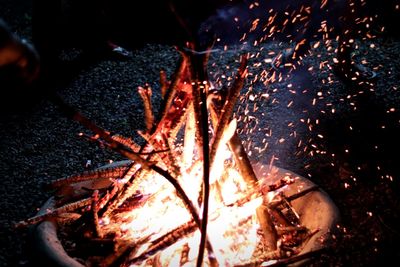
[[232, 229]]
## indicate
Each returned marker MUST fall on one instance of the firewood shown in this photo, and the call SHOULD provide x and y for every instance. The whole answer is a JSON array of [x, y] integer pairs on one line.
[[53, 213], [112, 173], [180, 76], [200, 86], [228, 106], [145, 94], [270, 235], [164, 83], [123, 250], [294, 196], [288, 229], [95, 209], [297, 258], [126, 141], [165, 241]]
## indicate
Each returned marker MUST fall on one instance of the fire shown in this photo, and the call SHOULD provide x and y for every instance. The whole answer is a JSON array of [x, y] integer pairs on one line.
[[232, 229], [167, 206]]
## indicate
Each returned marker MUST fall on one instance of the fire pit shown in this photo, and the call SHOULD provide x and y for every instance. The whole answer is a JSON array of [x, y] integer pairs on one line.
[[189, 196], [315, 209]]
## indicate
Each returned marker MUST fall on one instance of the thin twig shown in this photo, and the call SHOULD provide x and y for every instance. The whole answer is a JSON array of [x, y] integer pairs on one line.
[[114, 145], [164, 83], [145, 93], [189, 141], [165, 241], [179, 77], [256, 192], [118, 194], [95, 209], [126, 141], [294, 196]]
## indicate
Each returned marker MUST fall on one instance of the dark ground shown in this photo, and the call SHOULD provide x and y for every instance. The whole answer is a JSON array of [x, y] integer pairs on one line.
[[344, 138]]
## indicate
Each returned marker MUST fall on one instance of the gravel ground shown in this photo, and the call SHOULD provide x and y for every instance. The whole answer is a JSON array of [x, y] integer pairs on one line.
[[344, 138]]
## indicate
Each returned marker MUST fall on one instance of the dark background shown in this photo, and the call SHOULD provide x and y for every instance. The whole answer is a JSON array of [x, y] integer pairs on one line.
[[37, 143]]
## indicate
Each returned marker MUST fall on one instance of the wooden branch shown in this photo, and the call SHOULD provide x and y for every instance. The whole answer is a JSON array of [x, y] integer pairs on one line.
[[111, 173], [274, 204], [291, 260], [235, 145], [55, 212], [256, 192], [279, 217], [270, 235], [179, 77], [106, 136], [189, 140], [164, 83], [159, 141], [165, 241], [288, 229], [173, 165], [228, 107], [200, 88], [118, 194], [242, 161], [123, 249], [95, 209], [126, 141], [268, 256], [145, 93]]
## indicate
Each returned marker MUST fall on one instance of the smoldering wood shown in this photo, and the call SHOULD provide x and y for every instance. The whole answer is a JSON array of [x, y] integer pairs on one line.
[[145, 93], [55, 212], [164, 83], [111, 173], [126, 141], [95, 209]]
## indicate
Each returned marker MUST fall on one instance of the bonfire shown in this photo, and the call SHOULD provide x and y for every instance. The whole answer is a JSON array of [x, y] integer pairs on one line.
[[189, 196]]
